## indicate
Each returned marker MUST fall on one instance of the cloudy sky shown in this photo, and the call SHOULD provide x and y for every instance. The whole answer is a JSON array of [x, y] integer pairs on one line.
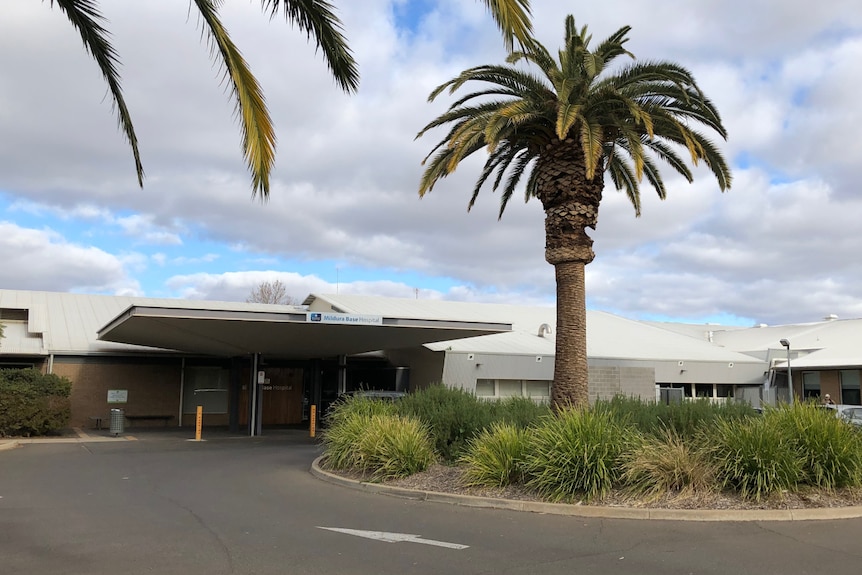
[[781, 246]]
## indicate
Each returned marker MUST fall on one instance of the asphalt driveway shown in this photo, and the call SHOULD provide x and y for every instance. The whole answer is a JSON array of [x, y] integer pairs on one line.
[[162, 504]]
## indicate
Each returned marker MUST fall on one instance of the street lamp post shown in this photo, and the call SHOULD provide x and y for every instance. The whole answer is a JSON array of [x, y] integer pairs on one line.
[[786, 344]]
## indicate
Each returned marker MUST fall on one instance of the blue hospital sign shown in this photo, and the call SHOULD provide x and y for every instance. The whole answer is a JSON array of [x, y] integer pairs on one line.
[[344, 318]]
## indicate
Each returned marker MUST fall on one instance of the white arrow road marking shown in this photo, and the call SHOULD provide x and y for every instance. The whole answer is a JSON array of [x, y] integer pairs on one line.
[[395, 537]]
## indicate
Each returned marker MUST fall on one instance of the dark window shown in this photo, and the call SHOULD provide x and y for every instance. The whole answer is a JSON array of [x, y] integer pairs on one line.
[[9, 314]]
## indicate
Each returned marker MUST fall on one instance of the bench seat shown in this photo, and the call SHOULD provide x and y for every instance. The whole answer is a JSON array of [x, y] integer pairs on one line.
[[136, 418]]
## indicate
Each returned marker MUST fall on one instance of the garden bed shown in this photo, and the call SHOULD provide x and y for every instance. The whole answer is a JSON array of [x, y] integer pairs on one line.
[[448, 479]]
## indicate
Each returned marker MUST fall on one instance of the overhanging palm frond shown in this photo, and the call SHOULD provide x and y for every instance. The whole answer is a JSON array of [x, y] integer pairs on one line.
[[318, 20], [86, 18], [624, 179], [258, 134], [513, 19]]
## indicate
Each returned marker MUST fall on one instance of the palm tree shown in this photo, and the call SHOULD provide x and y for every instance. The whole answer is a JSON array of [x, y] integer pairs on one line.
[[314, 17], [564, 130]]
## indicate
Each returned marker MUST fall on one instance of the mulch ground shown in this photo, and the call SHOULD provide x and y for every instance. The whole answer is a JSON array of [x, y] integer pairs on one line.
[[449, 479]]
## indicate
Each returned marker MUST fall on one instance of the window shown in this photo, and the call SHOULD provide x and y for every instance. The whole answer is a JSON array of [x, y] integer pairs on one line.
[[509, 388], [9, 314], [703, 389], [205, 386], [535, 389], [485, 388], [850, 387], [811, 384], [538, 388]]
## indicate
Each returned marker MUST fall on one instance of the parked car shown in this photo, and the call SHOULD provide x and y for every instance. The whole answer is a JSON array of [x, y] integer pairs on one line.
[[850, 413], [378, 394]]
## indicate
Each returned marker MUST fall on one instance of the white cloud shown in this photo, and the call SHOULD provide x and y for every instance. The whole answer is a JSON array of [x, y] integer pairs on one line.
[[33, 259], [778, 246]]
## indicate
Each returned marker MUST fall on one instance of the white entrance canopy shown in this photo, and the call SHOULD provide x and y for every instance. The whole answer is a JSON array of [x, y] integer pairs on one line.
[[292, 334]]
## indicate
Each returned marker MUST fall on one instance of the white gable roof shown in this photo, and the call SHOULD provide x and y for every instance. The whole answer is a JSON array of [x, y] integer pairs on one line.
[[68, 323]]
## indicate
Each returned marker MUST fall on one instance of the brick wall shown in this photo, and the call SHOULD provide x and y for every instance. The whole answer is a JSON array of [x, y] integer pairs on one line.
[[153, 387], [607, 381]]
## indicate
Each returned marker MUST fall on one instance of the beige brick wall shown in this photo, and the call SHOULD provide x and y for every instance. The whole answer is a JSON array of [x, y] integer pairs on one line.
[[607, 381], [153, 388]]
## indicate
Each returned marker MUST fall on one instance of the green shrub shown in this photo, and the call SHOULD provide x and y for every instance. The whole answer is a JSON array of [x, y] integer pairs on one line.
[[686, 419], [385, 446], [521, 412], [494, 457], [755, 457], [33, 403], [575, 453], [831, 449], [657, 465], [454, 416]]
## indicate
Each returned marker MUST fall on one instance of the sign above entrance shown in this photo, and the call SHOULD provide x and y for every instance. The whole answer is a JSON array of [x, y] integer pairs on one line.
[[344, 318]]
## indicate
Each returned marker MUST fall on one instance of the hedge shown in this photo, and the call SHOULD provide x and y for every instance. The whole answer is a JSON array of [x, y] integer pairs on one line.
[[33, 403]]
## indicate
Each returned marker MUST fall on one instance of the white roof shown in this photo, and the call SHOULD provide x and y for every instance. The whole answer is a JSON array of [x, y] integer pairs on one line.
[[65, 323], [69, 323], [608, 336]]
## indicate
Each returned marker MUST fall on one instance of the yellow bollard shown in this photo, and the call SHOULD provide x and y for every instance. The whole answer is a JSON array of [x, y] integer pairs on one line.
[[199, 422], [312, 422]]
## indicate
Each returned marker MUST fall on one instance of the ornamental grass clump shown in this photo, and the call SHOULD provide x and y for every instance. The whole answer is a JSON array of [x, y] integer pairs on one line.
[[494, 457], [341, 439], [831, 449], [395, 446], [383, 446], [575, 454], [755, 458], [666, 464], [349, 405]]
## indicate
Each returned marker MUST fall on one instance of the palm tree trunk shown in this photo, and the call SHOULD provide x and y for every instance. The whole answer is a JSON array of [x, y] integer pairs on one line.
[[571, 203], [570, 363]]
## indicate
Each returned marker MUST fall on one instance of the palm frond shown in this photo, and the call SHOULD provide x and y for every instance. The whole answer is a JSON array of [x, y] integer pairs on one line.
[[592, 140], [713, 158], [624, 179], [516, 172], [86, 18], [567, 115], [501, 157], [258, 134], [670, 157], [612, 46], [513, 19], [318, 20]]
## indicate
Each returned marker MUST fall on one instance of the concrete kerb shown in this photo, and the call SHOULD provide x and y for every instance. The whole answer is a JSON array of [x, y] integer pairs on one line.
[[8, 444], [595, 511]]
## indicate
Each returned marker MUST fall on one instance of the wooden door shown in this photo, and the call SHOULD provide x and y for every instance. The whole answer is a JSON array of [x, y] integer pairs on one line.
[[282, 397]]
